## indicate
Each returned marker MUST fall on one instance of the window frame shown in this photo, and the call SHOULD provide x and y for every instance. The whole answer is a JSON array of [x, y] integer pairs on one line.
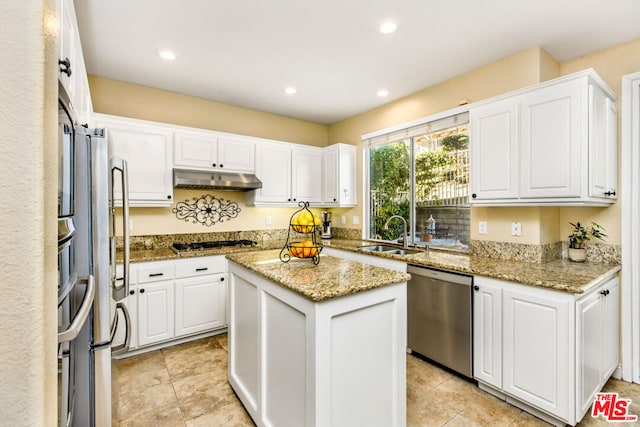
[[391, 134]]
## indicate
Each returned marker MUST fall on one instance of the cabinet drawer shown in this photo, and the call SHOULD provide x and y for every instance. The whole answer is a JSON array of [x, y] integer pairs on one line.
[[155, 273], [201, 266]]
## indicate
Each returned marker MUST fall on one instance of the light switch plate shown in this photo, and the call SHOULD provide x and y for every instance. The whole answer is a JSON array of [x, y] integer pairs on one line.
[[268, 220], [482, 227], [356, 219], [343, 219]]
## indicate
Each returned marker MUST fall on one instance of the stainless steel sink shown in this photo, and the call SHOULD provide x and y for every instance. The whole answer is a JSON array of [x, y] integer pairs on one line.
[[388, 249]]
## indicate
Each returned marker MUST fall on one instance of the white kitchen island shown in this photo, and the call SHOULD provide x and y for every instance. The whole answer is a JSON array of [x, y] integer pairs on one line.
[[317, 345]]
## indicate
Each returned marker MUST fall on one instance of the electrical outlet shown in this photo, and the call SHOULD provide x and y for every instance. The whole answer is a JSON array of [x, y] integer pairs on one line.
[[343, 219], [516, 228], [482, 227], [130, 224], [356, 220], [268, 219]]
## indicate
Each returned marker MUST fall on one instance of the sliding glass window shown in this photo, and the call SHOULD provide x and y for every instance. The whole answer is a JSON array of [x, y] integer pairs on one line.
[[422, 174]]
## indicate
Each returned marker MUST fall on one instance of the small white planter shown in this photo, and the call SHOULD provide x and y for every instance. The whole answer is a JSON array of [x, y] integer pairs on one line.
[[577, 255]]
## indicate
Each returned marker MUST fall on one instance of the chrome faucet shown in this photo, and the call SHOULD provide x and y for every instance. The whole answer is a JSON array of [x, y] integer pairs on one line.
[[404, 229]]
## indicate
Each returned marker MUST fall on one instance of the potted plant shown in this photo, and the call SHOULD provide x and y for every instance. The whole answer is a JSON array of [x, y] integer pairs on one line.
[[579, 236]]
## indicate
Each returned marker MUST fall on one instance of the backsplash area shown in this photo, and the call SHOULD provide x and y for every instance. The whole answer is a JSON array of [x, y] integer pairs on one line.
[[599, 253]]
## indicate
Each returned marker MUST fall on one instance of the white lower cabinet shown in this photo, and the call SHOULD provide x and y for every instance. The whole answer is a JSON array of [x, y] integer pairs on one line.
[[175, 299], [155, 312], [487, 336], [200, 304], [549, 350], [596, 342], [535, 344]]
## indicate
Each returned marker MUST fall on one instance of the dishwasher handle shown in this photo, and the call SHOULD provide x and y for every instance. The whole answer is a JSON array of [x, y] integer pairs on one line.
[[439, 275]]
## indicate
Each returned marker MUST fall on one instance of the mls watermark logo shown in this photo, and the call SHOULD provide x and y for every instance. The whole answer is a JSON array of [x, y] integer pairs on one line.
[[612, 407]]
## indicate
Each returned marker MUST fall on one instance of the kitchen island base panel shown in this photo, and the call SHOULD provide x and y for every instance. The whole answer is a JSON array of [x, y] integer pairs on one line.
[[339, 362]]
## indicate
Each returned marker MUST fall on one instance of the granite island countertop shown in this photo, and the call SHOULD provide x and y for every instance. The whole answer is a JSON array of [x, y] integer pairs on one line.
[[331, 278]]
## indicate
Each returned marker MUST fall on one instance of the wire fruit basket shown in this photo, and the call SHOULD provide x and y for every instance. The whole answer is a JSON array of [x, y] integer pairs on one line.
[[304, 224]]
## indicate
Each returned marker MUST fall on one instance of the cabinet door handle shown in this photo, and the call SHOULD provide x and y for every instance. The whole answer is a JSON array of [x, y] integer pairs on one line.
[[222, 279], [65, 66], [221, 165], [142, 291], [213, 164], [474, 195], [610, 193], [168, 196], [202, 269], [476, 288], [131, 292], [156, 274]]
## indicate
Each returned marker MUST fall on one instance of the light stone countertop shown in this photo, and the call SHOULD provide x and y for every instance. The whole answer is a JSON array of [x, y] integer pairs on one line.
[[331, 278], [561, 275]]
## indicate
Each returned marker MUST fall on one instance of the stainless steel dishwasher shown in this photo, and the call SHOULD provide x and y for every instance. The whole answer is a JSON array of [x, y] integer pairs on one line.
[[439, 324]]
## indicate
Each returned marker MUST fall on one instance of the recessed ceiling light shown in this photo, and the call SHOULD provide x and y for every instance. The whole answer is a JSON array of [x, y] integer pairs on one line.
[[167, 54], [388, 27], [382, 93], [290, 90]]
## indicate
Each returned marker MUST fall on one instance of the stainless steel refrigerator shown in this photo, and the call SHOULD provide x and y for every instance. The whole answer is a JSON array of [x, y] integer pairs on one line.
[[95, 176]]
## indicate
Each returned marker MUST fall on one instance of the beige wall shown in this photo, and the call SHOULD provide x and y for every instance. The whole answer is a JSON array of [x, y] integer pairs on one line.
[[148, 221], [526, 68], [539, 225], [28, 195], [140, 102]]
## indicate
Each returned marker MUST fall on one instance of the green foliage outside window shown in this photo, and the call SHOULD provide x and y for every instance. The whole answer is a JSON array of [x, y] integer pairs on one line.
[[389, 174]]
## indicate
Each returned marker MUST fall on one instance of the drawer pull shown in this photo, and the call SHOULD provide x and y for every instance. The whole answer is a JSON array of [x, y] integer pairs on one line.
[[156, 274], [202, 269]]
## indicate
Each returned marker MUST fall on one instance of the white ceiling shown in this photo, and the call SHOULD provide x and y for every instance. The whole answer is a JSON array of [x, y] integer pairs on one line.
[[245, 52]]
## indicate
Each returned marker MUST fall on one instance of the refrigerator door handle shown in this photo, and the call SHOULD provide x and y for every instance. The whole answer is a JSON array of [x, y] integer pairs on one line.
[[124, 347], [81, 316], [118, 164]]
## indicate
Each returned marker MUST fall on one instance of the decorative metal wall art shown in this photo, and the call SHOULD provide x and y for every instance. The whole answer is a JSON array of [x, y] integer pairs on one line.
[[206, 210]]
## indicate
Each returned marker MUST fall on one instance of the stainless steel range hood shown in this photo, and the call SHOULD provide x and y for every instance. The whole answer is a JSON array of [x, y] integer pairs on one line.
[[226, 181]]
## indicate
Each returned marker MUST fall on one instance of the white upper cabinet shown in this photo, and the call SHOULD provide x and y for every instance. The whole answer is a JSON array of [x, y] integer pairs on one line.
[[213, 151], [551, 140], [273, 168], [494, 150], [306, 172], [72, 72], [603, 146], [551, 144], [290, 173], [147, 147], [339, 175]]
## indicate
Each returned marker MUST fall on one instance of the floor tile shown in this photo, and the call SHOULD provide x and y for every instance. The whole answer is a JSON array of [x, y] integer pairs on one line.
[[203, 393], [186, 385], [525, 419], [223, 340], [195, 359], [230, 415], [167, 415]]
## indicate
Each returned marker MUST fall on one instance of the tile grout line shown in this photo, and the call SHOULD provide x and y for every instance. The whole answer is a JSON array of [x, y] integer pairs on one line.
[[173, 387]]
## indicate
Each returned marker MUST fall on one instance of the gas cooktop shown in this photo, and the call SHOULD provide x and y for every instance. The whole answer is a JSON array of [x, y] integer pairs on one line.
[[201, 246]]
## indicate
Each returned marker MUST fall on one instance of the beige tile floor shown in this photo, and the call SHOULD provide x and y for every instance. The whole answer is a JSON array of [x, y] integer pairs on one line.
[[186, 385]]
